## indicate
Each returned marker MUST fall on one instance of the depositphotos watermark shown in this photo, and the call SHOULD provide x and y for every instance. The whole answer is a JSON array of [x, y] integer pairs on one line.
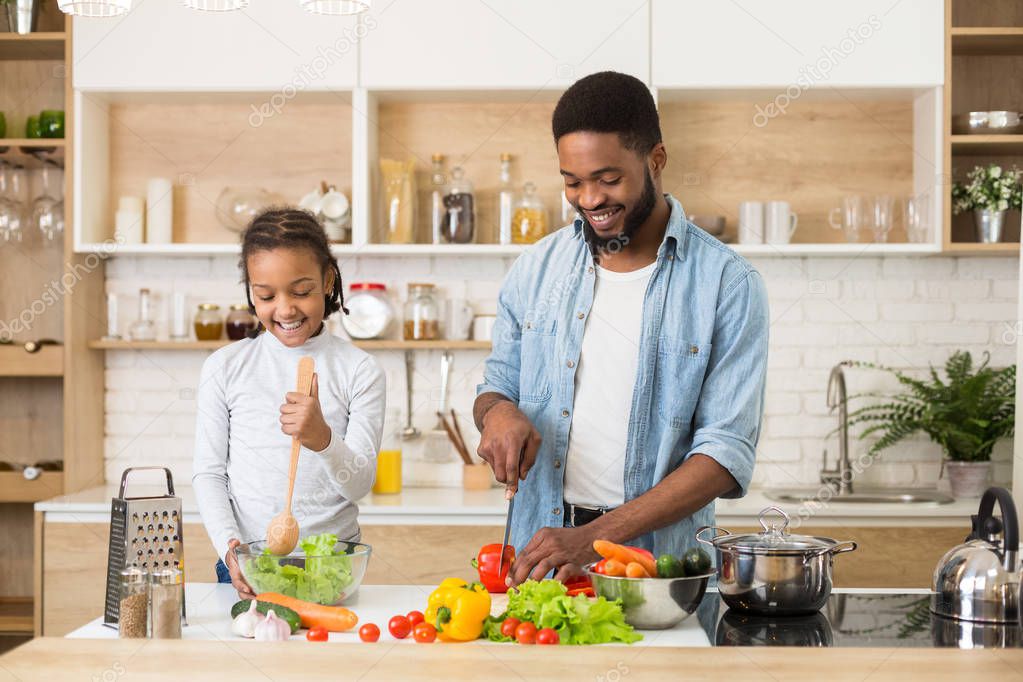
[[820, 70], [326, 57], [56, 290]]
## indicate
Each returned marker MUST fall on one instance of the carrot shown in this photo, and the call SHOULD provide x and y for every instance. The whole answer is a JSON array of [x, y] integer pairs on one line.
[[626, 555], [614, 568], [332, 618], [635, 570]]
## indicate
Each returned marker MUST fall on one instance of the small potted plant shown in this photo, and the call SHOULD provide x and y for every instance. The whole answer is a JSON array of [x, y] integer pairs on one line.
[[989, 192], [966, 415]]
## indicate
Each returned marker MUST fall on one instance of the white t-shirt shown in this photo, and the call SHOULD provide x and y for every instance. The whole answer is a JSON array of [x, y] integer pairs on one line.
[[604, 381]]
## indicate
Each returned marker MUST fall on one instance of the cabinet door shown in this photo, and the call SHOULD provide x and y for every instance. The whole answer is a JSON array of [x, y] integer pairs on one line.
[[502, 43], [163, 45], [701, 44]]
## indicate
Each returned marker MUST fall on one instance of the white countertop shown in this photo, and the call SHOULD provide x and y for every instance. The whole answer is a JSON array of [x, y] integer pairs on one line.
[[208, 606], [455, 506]]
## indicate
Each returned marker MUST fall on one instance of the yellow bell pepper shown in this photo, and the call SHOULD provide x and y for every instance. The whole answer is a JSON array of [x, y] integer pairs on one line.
[[458, 609]]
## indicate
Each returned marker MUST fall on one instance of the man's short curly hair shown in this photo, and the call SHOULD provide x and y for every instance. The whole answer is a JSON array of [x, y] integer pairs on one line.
[[609, 102]]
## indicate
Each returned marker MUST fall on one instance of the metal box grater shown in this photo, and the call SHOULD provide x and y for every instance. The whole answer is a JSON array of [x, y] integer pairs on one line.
[[145, 532]]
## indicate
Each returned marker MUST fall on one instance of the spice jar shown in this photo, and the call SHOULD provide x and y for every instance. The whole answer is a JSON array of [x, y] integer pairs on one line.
[[133, 609], [370, 313], [166, 595], [239, 322], [422, 314], [209, 323], [460, 209], [529, 223]]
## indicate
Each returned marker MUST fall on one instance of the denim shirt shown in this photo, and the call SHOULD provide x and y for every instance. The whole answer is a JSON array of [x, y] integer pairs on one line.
[[699, 380]]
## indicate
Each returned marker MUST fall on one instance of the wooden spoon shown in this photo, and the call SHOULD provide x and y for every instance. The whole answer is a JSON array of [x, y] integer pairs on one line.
[[282, 533]]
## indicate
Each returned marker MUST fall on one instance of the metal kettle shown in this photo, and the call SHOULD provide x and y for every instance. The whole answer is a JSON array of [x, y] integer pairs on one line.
[[979, 581]]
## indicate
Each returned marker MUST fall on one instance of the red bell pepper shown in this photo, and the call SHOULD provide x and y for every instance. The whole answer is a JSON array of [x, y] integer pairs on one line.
[[645, 552], [599, 567], [487, 562], [579, 584]]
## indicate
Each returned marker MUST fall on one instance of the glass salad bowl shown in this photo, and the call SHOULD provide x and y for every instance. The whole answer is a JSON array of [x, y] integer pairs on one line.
[[321, 572]]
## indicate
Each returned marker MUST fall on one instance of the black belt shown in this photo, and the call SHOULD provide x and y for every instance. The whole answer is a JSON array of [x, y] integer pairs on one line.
[[577, 515]]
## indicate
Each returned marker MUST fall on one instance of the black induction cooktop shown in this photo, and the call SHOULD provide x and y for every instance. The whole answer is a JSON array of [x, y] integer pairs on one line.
[[854, 619]]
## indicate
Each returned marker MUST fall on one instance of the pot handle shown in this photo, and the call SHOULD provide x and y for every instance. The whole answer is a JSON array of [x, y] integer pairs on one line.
[[847, 546], [1010, 525], [710, 542]]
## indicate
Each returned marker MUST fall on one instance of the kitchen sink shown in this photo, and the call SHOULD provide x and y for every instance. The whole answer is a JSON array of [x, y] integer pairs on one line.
[[867, 496]]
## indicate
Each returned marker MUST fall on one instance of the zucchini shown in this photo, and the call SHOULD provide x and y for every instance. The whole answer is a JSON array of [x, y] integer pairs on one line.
[[284, 612]]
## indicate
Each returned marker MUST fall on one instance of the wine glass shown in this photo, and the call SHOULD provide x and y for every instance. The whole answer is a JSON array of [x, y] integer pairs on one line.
[[47, 210], [12, 209], [880, 219]]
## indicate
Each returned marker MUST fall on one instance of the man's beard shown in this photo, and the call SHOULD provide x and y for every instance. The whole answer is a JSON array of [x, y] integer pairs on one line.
[[633, 220]]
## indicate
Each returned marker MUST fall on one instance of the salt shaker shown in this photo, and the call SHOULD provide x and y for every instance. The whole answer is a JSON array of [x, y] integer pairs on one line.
[[166, 594]]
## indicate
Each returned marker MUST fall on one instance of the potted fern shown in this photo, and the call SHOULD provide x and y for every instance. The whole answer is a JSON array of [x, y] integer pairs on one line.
[[966, 414]]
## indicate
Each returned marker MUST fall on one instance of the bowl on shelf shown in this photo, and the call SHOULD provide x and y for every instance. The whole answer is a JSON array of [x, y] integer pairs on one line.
[[987, 123], [652, 603], [712, 224], [327, 580]]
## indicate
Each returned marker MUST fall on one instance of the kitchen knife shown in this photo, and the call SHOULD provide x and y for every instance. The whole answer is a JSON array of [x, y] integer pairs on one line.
[[511, 510]]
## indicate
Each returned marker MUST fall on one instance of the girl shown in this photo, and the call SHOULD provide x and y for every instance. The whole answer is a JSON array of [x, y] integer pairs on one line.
[[248, 410]]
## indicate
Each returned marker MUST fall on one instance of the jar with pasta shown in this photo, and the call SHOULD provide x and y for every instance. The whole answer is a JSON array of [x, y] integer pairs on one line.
[[399, 191], [529, 222]]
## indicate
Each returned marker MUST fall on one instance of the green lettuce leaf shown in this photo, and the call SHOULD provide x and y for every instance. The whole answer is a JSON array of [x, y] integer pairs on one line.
[[322, 580]]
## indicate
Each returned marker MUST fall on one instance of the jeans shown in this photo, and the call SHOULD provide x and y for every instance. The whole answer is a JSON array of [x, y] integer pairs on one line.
[[223, 575]]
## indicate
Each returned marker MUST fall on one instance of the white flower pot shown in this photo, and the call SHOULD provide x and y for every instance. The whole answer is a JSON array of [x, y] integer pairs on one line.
[[968, 479]]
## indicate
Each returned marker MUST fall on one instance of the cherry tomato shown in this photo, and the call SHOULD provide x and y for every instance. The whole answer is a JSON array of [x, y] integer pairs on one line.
[[525, 633], [508, 627], [317, 634], [424, 633], [369, 633], [415, 617], [399, 627], [548, 636]]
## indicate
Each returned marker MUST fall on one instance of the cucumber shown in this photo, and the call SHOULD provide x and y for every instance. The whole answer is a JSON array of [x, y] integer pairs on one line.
[[696, 561], [284, 612], [669, 567]]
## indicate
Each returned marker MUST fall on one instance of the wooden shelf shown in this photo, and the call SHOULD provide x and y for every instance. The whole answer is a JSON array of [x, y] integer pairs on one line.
[[14, 487], [15, 361], [971, 40], [977, 249], [339, 250], [987, 144], [214, 345], [32, 153], [16, 615], [39, 45]]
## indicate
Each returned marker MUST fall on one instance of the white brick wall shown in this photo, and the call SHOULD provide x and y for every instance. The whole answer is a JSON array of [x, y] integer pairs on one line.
[[903, 312]]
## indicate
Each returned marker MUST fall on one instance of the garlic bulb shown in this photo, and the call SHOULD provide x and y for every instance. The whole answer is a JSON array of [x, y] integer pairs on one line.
[[244, 624], [272, 629]]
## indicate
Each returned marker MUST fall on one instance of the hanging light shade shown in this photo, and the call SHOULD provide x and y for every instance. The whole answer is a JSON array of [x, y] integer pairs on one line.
[[94, 8], [216, 5], [335, 6]]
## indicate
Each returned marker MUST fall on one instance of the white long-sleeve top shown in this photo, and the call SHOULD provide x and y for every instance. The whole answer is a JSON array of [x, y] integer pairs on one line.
[[242, 456]]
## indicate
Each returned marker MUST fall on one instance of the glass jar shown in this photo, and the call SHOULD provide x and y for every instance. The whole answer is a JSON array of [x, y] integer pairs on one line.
[[209, 323], [460, 209], [240, 322], [529, 223], [399, 194], [422, 314], [370, 313], [133, 608], [505, 201], [438, 178], [166, 595]]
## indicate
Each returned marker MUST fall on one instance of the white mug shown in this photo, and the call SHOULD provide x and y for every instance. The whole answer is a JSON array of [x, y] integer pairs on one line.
[[457, 319], [780, 222], [751, 222], [483, 327]]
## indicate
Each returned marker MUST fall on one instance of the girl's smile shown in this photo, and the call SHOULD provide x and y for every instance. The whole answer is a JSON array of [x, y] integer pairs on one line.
[[287, 292]]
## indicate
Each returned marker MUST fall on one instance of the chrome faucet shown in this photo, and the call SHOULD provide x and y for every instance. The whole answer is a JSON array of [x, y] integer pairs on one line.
[[839, 477]]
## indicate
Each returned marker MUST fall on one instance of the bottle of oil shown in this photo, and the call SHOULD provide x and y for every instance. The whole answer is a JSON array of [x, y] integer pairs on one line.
[[505, 201], [438, 178]]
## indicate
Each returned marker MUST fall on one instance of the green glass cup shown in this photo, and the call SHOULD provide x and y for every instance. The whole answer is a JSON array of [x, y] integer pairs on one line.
[[51, 123], [32, 129]]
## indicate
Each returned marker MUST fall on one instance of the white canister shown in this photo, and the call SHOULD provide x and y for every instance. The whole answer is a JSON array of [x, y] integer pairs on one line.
[[483, 327], [159, 211], [779, 222], [751, 222]]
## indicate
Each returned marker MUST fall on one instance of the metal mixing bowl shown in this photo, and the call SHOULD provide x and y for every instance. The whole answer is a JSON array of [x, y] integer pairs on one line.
[[652, 603]]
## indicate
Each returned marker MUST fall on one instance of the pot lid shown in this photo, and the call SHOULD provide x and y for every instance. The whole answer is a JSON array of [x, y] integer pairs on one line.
[[775, 538]]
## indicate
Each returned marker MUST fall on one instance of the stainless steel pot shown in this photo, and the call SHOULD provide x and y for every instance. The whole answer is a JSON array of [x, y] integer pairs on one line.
[[774, 572]]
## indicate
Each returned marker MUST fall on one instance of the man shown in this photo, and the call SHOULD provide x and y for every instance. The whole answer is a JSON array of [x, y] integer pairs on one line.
[[625, 388]]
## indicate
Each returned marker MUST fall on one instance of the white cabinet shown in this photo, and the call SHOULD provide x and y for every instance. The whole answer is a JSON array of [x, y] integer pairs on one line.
[[502, 43], [162, 45], [777, 43]]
